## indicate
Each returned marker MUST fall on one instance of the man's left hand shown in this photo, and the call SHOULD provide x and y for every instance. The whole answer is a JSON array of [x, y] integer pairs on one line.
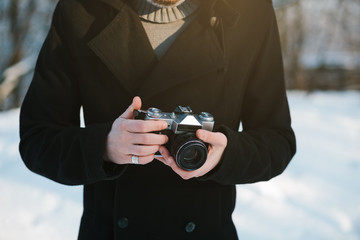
[[217, 144]]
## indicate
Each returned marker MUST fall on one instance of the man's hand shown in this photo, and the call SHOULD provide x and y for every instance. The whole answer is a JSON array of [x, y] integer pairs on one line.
[[129, 137], [217, 141]]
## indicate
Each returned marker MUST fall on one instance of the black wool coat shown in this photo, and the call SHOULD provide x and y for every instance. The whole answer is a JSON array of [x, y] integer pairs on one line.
[[97, 56]]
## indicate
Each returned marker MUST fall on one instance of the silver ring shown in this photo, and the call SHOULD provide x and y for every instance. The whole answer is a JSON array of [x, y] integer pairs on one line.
[[135, 159]]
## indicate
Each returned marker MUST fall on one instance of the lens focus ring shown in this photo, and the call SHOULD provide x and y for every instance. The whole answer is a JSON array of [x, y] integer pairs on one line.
[[191, 155]]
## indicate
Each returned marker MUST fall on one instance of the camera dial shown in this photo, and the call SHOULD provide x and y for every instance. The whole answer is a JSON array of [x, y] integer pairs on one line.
[[205, 116], [154, 112]]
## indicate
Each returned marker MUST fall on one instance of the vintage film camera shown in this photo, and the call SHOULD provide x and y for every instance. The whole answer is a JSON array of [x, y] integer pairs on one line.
[[189, 152]]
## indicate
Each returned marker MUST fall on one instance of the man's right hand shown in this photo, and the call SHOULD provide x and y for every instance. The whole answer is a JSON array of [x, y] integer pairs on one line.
[[129, 137]]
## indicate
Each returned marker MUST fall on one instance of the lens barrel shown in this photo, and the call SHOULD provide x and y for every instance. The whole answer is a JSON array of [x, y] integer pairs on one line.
[[189, 152]]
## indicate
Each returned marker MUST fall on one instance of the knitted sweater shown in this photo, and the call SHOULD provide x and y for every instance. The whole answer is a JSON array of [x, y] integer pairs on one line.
[[164, 24]]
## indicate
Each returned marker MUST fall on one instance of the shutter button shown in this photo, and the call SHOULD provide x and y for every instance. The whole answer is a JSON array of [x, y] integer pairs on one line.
[[190, 227], [123, 222]]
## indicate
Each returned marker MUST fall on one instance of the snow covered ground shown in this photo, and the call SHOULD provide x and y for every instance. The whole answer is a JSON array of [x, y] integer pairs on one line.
[[317, 197]]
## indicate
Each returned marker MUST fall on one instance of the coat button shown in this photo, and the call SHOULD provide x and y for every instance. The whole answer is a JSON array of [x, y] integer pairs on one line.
[[213, 21], [190, 227], [123, 222]]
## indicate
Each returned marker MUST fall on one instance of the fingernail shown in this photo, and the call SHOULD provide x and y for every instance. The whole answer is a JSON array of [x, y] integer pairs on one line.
[[165, 125]]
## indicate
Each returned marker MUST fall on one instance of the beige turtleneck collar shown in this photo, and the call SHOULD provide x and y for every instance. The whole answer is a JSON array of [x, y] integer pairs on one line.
[[154, 13]]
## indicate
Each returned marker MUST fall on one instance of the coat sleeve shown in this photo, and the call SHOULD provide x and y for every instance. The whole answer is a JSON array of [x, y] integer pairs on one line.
[[52, 143], [267, 143]]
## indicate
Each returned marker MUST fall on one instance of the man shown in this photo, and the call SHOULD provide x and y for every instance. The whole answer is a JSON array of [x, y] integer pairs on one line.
[[218, 56]]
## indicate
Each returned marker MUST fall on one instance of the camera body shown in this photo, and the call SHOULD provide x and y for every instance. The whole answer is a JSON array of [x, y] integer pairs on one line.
[[189, 152]]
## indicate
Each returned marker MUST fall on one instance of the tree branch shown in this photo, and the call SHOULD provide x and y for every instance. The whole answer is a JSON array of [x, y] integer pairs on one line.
[[13, 74]]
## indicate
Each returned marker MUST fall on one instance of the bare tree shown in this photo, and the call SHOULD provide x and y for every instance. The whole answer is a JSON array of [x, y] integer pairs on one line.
[[321, 43], [22, 22], [292, 33]]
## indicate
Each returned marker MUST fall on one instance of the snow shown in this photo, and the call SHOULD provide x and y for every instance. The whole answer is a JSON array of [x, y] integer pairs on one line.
[[32, 207], [317, 197]]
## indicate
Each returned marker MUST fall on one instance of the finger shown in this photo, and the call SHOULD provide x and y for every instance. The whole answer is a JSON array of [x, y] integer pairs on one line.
[[213, 138], [141, 126], [166, 155], [141, 160], [142, 150], [135, 105], [148, 138]]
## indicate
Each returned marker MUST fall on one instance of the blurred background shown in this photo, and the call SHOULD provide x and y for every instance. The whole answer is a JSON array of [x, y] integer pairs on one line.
[[317, 197]]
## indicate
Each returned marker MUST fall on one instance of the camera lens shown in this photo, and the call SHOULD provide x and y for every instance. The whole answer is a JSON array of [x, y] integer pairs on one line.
[[189, 152], [192, 155]]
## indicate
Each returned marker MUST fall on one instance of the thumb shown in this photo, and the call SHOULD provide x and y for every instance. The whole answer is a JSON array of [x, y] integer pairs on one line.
[[135, 105], [213, 138]]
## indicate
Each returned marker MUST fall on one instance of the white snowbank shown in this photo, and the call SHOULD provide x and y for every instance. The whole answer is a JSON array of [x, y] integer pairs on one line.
[[32, 207], [317, 197]]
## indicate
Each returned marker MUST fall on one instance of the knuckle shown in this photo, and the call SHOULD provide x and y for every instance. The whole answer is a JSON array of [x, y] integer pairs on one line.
[[138, 139], [136, 150], [148, 159], [142, 127], [146, 139], [122, 124], [142, 151], [123, 138]]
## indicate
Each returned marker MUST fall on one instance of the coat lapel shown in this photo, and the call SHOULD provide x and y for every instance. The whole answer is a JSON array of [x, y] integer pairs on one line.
[[124, 47], [194, 53]]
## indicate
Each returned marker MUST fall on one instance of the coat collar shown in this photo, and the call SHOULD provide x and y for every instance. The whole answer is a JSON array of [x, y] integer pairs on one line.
[[132, 60], [194, 53], [229, 14], [117, 4]]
